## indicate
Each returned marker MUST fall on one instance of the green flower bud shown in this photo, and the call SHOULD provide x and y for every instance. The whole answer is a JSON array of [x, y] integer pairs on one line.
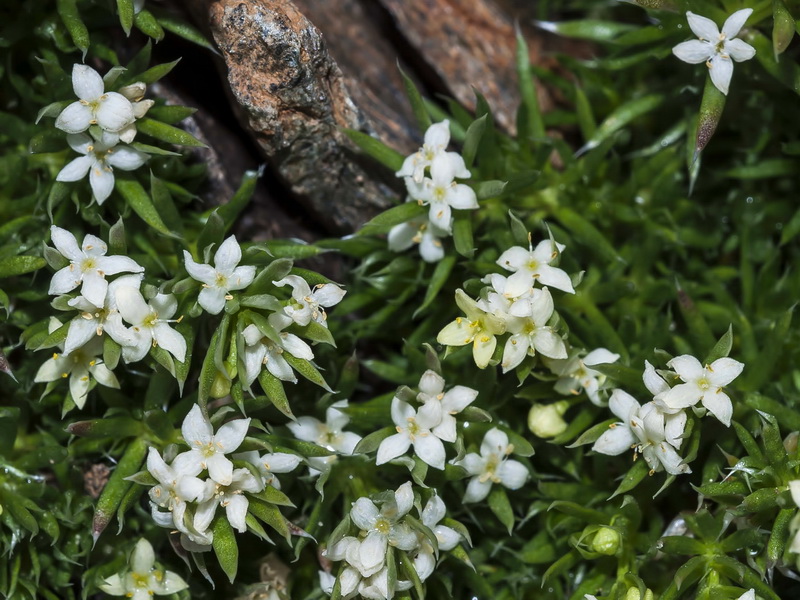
[[606, 541], [221, 386], [544, 420]]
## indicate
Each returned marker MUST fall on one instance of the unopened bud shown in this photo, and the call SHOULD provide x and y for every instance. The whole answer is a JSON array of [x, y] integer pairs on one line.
[[544, 420], [221, 386], [606, 541], [790, 442], [134, 92], [635, 594]]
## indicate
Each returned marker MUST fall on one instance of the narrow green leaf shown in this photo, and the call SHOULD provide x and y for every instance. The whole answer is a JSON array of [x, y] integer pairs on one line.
[[440, 274], [389, 157], [587, 29], [722, 348], [241, 198], [225, 547], [530, 122], [19, 265], [147, 24], [369, 443], [623, 116], [125, 11], [167, 133], [462, 234], [473, 140], [634, 477], [170, 113], [417, 103], [273, 388], [182, 29], [138, 199], [501, 507], [68, 11], [396, 215]]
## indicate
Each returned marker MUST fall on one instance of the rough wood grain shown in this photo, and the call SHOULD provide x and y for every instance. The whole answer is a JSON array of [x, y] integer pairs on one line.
[[294, 99], [469, 44]]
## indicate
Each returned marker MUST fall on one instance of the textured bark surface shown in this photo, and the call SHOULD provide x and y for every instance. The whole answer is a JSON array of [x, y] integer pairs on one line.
[[292, 95], [300, 70]]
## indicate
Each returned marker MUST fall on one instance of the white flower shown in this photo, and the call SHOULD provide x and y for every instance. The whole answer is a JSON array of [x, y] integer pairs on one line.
[[149, 325], [262, 351], [436, 139], [98, 161], [646, 429], [92, 318], [208, 449], [716, 48], [492, 466], [383, 528], [141, 579], [78, 366], [224, 277], [575, 374], [413, 428], [418, 231], [88, 266], [442, 407], [307, 305], [442, 193], [447, 538], [330, 434], [530, 333], [177, 485], [703, 384], [533, 265], [748, 595], [231, 497], [479, 328], [271, 463], [110, 110]]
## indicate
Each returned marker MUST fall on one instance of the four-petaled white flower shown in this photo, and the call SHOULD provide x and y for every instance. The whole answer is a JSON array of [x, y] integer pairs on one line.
[[141, 579], [88, 266], [447, 538], [442, 193], [78, 366], [530, 332], [271, 463], [492, 466], [177, 485], [329, 434], [231, 497], [109, 110], [443, 407], [575, 374], [716, 48], [92, 319], [225, 276], [533, 265], [479, 328], [383, 527], [261, 350], [208, 449], [647, 430], [436, 139], [307, 304], [100, 157], [703, 384], [413, 427], [418, 231], [149, 325]]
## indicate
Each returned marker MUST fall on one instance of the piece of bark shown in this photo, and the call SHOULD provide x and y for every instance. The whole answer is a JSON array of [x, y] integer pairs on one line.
[[470, 45], [295, 102]]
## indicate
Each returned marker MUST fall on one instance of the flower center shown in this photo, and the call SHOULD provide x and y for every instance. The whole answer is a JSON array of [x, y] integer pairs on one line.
[[141, 580], [703, 383], [150, 320], [439, 193], [89, 264], [383, 526], [221, 281]]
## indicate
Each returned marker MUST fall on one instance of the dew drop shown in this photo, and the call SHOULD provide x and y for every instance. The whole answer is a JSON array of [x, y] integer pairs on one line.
[[749, 200]]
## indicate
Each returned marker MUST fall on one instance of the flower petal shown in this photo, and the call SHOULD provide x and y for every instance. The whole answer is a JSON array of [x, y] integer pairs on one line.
[[721, 72], [724, 370], [364, 513], [170, 340], [739, 50], [512, 474], [228, 255], [236, 511], [196, 429], [64, 280], [126, 158], [65, 243], [615, 441], [392, 447], [142, 558], [477, 490], [694, 52], [76, 169], [231, 435], [732, 25], [115, 112], [101, 179], [719, 404], [431, 450], [703, 27], [212, 299]]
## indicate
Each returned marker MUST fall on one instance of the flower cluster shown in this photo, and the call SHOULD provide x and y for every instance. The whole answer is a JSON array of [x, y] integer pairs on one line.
[[199, 480], [110, 119], [655, 430], [141, 580], [384, 531], [430, 176], [103, 308], [513, 305], [430, 425]]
